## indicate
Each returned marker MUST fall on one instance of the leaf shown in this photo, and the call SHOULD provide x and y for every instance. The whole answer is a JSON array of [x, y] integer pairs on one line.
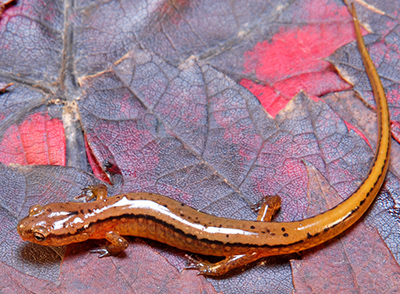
[[157, 88]]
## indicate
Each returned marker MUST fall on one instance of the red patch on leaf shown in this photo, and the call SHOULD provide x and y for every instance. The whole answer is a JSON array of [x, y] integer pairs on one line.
[[358, 132], [37, 140], [284, 69], [395, 126]]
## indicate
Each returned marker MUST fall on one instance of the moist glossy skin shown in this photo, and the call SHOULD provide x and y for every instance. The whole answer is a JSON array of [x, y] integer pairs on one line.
[[163, 219]]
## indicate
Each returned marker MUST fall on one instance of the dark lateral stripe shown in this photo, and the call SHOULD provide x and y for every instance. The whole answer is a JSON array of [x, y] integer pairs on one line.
[[179, 231]]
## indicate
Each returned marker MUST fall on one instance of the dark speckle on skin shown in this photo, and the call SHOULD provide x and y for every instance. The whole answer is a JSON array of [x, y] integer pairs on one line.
[[82, 211], [286, 235], [182, 204], [252, 227], [355, 209], [283, 229]]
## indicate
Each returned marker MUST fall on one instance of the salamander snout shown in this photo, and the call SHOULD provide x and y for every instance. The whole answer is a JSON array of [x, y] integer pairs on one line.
[[22, 228]]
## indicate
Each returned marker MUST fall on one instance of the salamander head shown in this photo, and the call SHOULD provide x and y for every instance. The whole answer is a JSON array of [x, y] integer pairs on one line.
[[55, 224]]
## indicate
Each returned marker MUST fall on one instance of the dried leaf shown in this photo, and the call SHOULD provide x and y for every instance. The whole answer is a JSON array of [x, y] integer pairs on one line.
[[155, 88]]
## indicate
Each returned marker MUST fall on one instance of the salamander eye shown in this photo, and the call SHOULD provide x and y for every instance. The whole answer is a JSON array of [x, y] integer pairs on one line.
[[34, 210], [39, 236], [40, 233]]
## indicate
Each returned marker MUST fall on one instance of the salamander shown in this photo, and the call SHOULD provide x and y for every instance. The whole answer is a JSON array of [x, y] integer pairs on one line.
[[168, 221]]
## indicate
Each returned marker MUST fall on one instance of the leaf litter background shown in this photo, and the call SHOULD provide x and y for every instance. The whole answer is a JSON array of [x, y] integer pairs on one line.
[[165, 93]]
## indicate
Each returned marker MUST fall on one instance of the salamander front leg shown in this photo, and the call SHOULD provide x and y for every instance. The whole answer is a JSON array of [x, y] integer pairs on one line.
[[118, 244], [97, 191]]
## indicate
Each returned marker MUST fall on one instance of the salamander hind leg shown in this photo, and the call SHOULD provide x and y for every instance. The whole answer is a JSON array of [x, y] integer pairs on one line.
[[267, 207], [118, 244], [97, 191], [222, 267]]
